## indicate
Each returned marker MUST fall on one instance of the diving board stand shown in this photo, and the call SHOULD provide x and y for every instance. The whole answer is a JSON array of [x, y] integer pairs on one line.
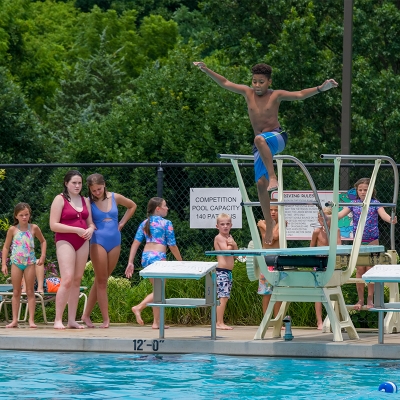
[[162, 270], [379, 275], [317, 273]]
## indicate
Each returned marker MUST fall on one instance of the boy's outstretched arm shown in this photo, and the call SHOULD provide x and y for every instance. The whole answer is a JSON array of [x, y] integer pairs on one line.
[[221, 80], [284, 95]]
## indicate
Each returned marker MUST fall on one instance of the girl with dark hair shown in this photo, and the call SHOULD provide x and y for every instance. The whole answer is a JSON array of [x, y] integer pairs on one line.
[[71, 220], [105, 244], [158, 233]]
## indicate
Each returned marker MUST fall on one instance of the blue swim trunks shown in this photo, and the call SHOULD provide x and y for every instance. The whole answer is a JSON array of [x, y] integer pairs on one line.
[[276, 141]]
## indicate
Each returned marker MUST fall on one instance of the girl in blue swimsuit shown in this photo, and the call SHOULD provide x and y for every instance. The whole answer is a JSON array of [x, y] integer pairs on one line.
[[20, 237], [105, 244], [158, 233]]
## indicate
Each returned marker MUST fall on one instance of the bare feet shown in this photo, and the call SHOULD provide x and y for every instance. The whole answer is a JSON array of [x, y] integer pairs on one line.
[[87, 321], [58, 325], [32, 325], [224, 327], [358, 305], [370, 303], [269, 227], [273, 184], [105, 325], [136, 311], [320, 326], [75, 325], [156, 326], [12, 325]]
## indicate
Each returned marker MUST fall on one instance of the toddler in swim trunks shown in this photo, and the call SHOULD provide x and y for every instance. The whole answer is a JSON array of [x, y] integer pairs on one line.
[[224, 241]]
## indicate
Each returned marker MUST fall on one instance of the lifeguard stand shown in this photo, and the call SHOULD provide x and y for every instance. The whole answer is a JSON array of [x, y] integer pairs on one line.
[[312, 274]]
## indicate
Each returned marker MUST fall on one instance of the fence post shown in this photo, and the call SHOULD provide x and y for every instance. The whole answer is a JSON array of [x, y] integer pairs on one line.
[[160, 180]]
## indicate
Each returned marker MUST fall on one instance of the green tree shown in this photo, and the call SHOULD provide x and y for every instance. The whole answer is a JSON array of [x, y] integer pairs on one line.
[[173, 113], [87, 92], [38, 38], [136, 47], [22, 139]]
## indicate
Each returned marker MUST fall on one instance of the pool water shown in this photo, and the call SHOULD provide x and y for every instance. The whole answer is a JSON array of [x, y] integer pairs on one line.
[[52, 375]]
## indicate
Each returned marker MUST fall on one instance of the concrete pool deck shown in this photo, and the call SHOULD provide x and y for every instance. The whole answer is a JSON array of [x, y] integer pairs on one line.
[[130, 338]]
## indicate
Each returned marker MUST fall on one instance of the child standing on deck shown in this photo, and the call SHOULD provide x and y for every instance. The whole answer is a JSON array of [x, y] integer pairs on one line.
[[270, 139], [370, 234], [158, 233], [320, 238], [20, 237], [264, 288], [224, 241], [105, 244]]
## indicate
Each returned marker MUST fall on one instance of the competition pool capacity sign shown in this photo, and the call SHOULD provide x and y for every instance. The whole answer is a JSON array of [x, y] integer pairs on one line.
[[207, 203]]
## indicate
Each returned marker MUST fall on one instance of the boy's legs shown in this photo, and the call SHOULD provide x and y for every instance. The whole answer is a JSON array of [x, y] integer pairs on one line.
[[224, 286], [266, 145], [263, 196], [220, 314], [318, 313], [265, 303], [360, 271], [267, 159], [370, 298]]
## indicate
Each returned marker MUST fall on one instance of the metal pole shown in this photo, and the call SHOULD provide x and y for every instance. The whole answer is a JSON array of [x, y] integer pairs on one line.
[[160, 180], [346, 87]]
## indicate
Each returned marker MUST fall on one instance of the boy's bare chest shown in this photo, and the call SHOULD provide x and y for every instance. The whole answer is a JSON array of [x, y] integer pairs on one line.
[[264, 105], [323, 238]]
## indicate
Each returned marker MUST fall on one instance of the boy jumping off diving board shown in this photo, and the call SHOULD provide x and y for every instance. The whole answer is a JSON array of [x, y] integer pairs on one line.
[[270, 139]]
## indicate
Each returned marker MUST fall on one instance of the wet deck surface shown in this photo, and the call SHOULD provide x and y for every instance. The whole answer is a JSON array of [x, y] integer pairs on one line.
[[129, 338]]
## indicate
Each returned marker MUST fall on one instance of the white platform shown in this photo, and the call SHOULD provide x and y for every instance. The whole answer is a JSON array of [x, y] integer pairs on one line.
[[178, 269], [383, 273]]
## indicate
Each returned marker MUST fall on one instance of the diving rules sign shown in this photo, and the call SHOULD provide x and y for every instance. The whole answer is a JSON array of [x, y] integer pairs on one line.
[[207, 203]]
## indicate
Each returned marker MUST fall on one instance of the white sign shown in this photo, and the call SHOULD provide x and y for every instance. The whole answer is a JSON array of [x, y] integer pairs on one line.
[[207, 203], [302, 219]]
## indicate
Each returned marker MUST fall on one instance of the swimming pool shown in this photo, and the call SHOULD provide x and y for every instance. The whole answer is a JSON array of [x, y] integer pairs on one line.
[[52, 375]]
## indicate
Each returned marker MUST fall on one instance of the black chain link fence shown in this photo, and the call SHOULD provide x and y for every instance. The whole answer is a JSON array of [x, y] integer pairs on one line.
[[38, 184]]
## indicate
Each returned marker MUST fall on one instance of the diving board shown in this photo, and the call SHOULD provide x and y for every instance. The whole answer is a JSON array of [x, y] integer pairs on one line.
[[298, 251]]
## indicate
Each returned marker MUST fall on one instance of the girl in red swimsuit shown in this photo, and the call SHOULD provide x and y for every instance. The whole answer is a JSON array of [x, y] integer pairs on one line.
[[71, 220]]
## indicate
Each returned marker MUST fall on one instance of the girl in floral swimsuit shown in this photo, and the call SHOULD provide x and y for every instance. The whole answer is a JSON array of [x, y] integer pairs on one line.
[[21, 238], [159, 233]]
